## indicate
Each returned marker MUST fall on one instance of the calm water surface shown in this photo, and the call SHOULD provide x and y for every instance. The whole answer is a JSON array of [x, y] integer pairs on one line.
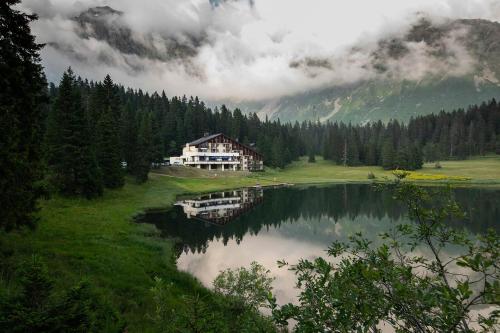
[[231, 229]]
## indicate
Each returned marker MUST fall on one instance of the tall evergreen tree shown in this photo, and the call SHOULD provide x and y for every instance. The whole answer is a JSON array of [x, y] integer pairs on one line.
[[69, 152], [129, 136], [22, 95], [278, 153], [388, 155], [352, 152], [157, 145], [402, 160], [416, 158], [144, 149], [108, 150]]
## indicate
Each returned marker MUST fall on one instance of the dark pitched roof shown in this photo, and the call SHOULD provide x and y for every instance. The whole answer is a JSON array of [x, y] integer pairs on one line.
[[210, 137], [205, 138]]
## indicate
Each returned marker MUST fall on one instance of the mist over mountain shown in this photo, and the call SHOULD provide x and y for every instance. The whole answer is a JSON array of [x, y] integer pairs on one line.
[[266, 57], [432, 67]]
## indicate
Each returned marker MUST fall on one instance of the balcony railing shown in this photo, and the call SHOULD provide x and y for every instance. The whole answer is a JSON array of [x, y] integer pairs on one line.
[[212, 162], [215, 154]]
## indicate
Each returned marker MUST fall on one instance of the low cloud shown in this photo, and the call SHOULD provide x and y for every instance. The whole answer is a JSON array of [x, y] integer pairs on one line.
[[252, 50]]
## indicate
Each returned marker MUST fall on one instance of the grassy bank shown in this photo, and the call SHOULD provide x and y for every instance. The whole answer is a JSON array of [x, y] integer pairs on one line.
[[484, 171], [98, 240], [478, 171]]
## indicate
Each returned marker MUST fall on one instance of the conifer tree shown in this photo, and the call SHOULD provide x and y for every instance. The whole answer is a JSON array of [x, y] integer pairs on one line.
[[388, 155], [352, 150], [416, 158], [312, 157], [69, 153], [22, 96], [129, 136], [108, 150], [39, 307], [157, 145], [371, 154], [278, 153], [144, 149], [110, 101], [402, 159]]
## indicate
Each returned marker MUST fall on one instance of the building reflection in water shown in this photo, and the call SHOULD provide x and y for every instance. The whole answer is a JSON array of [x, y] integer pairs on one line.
[[222, 207], [212, 232]]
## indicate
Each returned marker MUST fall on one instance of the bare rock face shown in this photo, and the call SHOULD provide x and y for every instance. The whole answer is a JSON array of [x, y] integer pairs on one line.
[[107, 24], [429, 67], [461, 66]]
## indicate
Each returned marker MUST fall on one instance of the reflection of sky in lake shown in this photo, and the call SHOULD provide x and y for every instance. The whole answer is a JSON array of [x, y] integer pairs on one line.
[[291, 241], [291, 224]]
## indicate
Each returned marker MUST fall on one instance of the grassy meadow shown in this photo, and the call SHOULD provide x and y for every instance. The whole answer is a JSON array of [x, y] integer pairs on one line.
[[98, 240], [482, 171], [477, 171]]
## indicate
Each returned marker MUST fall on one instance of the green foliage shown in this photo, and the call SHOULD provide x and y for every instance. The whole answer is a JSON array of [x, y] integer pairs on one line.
[[22, 109], [204, 313], [128, 136], [178, 120], [251, 286], [108, 150], [69, 154], [144, 154], [37, 308], [388, 155], [407, 283]]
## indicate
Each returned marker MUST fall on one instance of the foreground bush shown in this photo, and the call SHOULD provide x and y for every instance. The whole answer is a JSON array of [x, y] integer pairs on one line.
[[408, 283], [37, 308], [210, 312]]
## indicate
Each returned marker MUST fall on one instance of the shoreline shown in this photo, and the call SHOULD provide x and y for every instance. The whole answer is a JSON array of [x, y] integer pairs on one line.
[[99, 240]]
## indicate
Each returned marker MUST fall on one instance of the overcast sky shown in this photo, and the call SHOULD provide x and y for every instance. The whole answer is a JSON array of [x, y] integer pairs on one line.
[[249, 49]]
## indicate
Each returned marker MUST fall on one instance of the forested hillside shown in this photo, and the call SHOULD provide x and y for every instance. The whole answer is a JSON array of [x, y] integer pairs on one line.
[[141, 129], [428, 68]]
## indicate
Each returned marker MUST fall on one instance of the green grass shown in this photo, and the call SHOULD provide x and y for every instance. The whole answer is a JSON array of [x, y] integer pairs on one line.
[[481, 171], [98, 239]]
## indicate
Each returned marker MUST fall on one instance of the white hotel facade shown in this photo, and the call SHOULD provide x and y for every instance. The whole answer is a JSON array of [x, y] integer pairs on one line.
[[219, 152]]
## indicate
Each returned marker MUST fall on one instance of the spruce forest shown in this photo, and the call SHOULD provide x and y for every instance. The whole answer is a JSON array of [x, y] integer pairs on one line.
[[105, 127]]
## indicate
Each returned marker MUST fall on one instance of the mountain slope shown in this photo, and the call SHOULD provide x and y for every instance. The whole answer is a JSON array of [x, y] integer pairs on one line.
[[389, 95], [426, 68]]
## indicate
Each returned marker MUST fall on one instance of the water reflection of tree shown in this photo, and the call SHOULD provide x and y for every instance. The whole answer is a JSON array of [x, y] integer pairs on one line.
[[289, 205]]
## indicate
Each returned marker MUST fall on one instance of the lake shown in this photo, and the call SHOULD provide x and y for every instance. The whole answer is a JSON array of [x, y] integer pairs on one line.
[[233, 228]]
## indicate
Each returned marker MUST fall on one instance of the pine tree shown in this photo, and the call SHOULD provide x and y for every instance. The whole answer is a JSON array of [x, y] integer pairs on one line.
[[188, 124], [430, 152], [129, 136], [311, 158], [69, 152], [144, 149], [110, 101], [481, 135], [108, 150], [388, 155], [37, 307], [157, 143], [22, 96], [352, 150], [278, 153], [402, 161], [371, 154], [416, 160]]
